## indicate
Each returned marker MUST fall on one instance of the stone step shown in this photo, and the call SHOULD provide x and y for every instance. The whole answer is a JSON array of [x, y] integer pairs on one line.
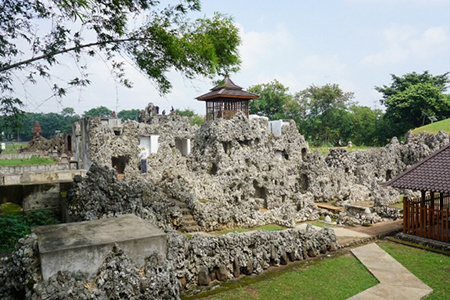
[[187, 218], [185, 211], [179, 203], [188, 222], [193, 228], [332, 208]]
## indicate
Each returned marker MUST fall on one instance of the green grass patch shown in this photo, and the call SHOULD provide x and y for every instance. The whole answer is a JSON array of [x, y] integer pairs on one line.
[[331, 278], [432, 268], [326, 150], [434, 127], [15, 226], [323, 224], [397, 205], [34, 160], [270, 227], [336, 278], [14, 148], [10, 208]]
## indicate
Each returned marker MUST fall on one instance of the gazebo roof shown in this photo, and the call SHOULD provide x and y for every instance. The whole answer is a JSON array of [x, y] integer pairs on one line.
[[430, 174], [227, 90]]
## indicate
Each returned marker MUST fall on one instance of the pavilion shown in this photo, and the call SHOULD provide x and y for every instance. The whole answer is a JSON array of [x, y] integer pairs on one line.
[[427, 216], [225, 100]]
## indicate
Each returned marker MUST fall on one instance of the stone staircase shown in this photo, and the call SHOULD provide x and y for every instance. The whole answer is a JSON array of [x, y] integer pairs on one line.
[[188, 224]]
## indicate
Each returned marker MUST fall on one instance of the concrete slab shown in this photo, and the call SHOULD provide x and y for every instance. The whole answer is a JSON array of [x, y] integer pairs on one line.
[[396, 282], [83, 246], [339, 231], [41, 177]]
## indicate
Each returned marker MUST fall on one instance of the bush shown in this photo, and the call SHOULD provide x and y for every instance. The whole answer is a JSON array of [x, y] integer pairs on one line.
[[15, 226]]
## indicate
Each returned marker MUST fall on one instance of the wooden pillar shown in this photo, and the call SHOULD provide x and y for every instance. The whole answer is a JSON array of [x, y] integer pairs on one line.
[[432, 199], [441, 201], [405, 215], [431, 216], [422, 214]]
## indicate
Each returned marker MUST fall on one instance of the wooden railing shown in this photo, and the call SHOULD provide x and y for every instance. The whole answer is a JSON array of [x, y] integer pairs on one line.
[[428, 219]]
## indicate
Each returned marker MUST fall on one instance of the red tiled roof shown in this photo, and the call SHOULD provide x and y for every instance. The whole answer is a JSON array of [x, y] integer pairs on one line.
[[430, 174], [227, 90]]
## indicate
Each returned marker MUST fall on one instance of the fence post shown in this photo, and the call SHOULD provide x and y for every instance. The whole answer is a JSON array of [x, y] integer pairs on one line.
[[405, 214]]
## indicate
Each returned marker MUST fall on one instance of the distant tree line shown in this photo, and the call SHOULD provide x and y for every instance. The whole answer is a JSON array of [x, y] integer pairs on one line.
[[326, 115], [52, 123]]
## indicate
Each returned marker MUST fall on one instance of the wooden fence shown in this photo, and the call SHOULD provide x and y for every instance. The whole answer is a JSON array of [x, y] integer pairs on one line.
[[428, 218]]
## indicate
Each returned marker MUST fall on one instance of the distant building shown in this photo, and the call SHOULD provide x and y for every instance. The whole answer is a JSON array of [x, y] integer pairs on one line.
[[225, 100]]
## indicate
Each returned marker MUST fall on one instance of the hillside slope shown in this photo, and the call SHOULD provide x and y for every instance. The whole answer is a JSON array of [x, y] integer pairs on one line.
[[434, 127]]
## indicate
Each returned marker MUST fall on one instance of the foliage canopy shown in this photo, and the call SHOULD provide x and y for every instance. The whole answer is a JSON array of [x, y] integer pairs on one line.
[[414, 100], [35, 35]]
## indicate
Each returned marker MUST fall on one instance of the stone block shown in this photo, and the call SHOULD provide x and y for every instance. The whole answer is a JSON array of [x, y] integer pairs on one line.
[[11, 179], [83, 246]]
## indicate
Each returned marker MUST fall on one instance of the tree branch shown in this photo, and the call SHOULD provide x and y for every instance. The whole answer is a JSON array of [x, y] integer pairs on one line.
[[25, 62]]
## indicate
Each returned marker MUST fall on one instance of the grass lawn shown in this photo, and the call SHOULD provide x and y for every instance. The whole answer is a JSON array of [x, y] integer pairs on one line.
[[270, 227], [337, 277], [331, 278], [326, 150], [35, 160], [10, 208], [397, 205], [434, 127], [322, 224], [13, 148], [432, 268]]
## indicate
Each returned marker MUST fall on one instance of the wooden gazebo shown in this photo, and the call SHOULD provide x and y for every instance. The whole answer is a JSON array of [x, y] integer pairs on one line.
[[427, 216], [225, 100]]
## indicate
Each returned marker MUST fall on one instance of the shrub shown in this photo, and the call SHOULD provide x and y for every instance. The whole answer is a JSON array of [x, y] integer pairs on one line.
[[15, 226]]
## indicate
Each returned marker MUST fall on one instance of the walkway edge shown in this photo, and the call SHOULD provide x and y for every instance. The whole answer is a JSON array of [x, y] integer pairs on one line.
[[396, 282]]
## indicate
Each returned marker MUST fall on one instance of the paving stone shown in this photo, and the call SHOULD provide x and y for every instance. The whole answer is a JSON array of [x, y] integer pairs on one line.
[[396, 282]]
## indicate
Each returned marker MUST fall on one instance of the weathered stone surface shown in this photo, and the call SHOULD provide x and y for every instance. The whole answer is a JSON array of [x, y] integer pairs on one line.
[[227, 256], [239, 173], [117, 278], [82, 246]]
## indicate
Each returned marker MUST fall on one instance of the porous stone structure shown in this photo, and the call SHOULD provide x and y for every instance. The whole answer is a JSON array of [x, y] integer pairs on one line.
[[202, 259], [239, 172], [190, 262], [116, 278]]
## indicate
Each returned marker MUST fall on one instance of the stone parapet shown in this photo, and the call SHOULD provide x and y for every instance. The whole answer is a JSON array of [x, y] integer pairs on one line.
[[83, 246]]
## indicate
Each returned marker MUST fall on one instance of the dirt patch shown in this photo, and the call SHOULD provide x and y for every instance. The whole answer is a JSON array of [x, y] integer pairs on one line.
[[379, 228], [251, 291]]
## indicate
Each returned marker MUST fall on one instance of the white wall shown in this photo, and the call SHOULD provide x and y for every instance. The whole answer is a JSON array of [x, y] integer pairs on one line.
[[275, 127], [184, 145], [150, 143]]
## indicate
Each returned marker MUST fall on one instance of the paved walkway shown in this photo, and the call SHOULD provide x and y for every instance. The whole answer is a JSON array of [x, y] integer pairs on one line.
[[396, 282]]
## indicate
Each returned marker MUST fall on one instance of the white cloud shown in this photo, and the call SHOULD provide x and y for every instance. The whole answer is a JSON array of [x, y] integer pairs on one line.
[[404, 42], [314, 69], [259, 46], [395, 2]]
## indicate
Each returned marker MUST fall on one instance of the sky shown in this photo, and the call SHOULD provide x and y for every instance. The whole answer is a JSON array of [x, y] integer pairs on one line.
[[357, 44]]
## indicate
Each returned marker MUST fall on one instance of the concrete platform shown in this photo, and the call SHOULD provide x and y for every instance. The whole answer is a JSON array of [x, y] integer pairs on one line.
[[396, 282], [83, 246], [24, 178]]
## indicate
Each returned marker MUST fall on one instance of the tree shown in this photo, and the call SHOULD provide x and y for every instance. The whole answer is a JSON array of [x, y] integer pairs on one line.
[[194, 119], [272, 101], [130, 114], [100, 111], [69, 116], [155, 38], [366, 126], [326, 115], [68, 112], [414, 100]]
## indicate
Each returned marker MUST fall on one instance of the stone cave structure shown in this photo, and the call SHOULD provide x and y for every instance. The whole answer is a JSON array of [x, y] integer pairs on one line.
[[228, 173]]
